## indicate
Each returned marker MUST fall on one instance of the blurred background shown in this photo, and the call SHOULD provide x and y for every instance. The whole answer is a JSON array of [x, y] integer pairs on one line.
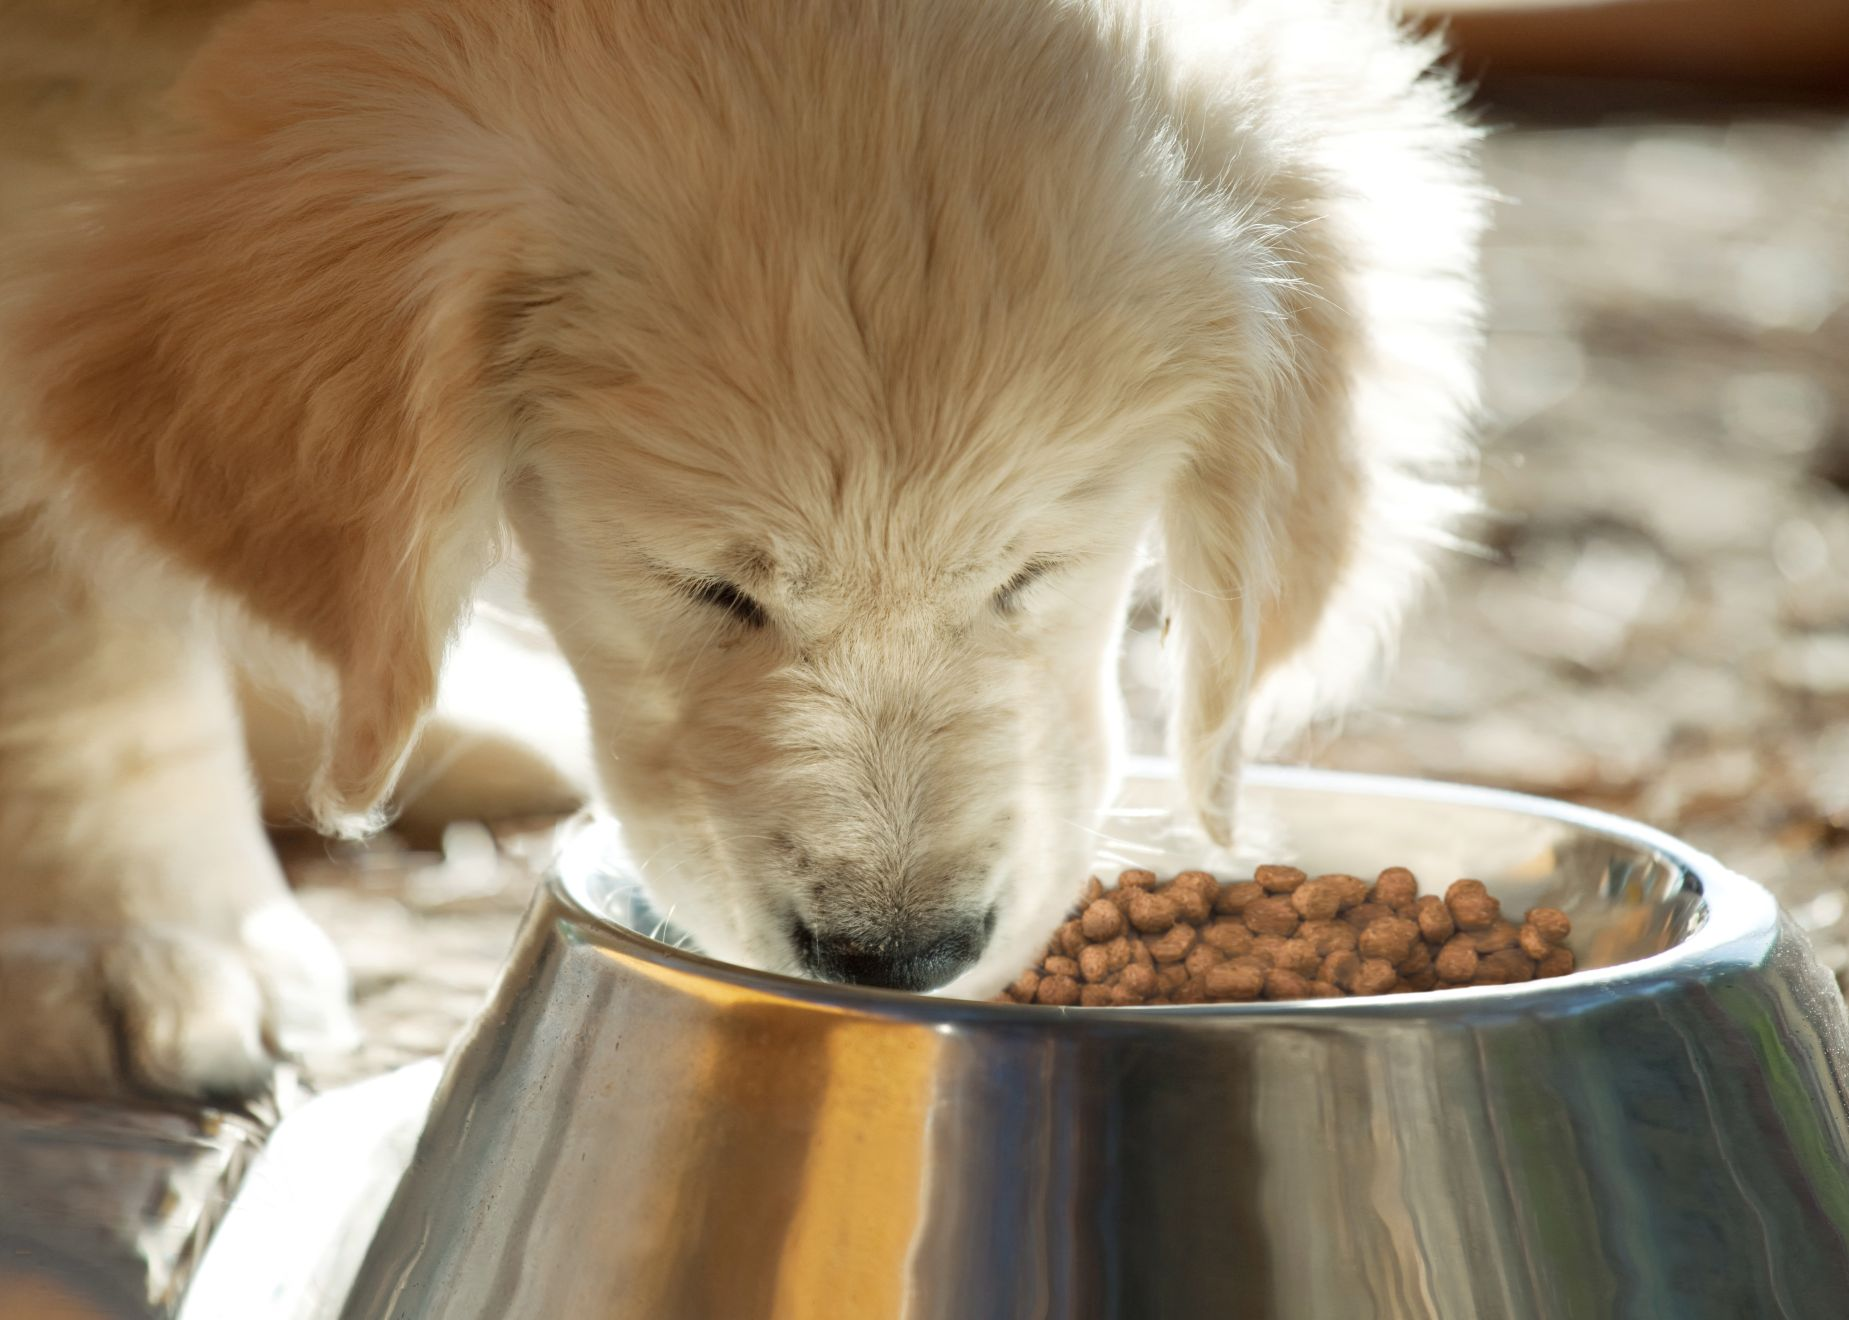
[[1657, 618]]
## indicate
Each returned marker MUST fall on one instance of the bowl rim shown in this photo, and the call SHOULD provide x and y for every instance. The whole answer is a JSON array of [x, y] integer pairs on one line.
[[1740, 927]]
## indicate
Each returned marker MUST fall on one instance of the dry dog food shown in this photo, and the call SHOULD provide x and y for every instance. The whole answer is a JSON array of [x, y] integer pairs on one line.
[[1286, 935]]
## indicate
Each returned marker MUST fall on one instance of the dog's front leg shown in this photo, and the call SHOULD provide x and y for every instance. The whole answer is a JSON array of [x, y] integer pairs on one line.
[[147, 940]]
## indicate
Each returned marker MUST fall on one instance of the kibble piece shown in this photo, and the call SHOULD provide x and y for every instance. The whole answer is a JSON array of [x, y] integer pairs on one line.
[[1060, 991], [1417, 961], [1138, 980], [1460, 887], [1239, 980], [1120, 898], [1533, 943], [1339, 968], [1234, 898], [1352, 888], [1070, 938], [1391, 938], [1271, 916], [1317, 900], [1058, 965], [1140, 955], [1101, 921], [1426, 978], [1136, 878], [1500, 935], [1396, 887], [1173, 944], [1328, 936], [1024, 986], [1363, 915], [1094, 996], [1122, 996], [1094, 963], [1457, 961], [1299, 956], [1171, 977], [1473, 911], [1374, 977], [1152, 913], [1194, 992], [1266, 948], [1229, 937], [1558, 962], [1200, 958], [1434, 918], [1193, 893], [1279, 879], [1553, 924], [1321, 990], [1504, 967], [1280, 984], [1094, 890], [1118, 951]]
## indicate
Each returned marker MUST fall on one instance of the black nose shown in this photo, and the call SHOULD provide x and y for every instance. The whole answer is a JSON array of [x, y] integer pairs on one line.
[[892, 964]]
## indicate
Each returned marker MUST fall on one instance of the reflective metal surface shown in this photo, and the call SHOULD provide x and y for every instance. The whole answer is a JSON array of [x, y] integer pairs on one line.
[[631, 1130]]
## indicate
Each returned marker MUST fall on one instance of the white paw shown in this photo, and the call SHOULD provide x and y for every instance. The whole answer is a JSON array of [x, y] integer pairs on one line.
[[165, 1011]]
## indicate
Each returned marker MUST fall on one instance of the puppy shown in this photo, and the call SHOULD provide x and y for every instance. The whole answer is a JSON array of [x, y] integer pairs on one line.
[[828, 363]]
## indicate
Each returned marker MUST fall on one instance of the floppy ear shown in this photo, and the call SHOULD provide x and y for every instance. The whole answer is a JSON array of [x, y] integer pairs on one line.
[[264, 347], [1305, 520]]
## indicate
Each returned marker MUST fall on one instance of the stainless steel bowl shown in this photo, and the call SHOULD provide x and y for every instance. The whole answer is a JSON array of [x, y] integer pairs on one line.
[[633, 1130]]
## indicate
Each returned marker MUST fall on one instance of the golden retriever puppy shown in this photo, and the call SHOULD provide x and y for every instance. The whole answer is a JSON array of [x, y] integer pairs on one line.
[[828, 362]]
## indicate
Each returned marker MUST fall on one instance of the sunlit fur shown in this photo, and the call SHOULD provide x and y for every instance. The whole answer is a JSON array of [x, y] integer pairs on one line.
[[858, 307]]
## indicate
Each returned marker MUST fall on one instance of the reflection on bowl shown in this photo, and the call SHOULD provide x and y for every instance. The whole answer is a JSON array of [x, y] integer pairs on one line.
[[631, 1129]]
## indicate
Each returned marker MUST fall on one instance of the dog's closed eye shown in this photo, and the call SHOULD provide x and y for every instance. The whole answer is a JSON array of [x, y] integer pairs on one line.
[[724, 596], [1007, 600]]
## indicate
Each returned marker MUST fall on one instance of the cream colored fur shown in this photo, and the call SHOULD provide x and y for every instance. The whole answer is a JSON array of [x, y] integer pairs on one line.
[[862, 308]]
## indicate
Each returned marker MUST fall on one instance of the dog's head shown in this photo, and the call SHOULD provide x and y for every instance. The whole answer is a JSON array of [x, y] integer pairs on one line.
[[830, 427]]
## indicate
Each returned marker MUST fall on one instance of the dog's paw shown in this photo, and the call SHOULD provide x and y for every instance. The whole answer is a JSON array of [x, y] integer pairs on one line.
[[164, 1012]]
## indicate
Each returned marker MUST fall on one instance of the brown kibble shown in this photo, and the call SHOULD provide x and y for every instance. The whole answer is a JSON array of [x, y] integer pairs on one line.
[[1424, 979], [1152, 913], [1500, 935], [1339, 968], [1094, 890], [1070, 938], [1228, 936], [1122, 996], [1158, 999], [1094, 963], [1237, 981], [1458, 888], [1457, 961], [1200, 958], [1279, 879], [1298, 956], [1024, 986], [1434, 918], [1140, 955], [1374, 977], [1473, 911], [1173, 944], [1317, 900], [1352, 888], [1061, 966], [1321, 990], [1280, 984], [1136, 879], [1417, 961], [1363, 915], [1194, 893], [1533, 943], [1094, 996], [1553, 924], [1328, 936], [1171, 977], [1194, 992], [1558, 962], [1060, 991], [1504, 967], [1266, 948], [1391, 938], [1118, 951], [1120, 898], [1138, 980], [1396, 887], [1271, 916], [1235, 898], [1101, 921]]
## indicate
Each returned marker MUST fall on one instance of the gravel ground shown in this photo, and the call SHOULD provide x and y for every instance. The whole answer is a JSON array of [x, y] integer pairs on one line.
[[1657, 621]]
